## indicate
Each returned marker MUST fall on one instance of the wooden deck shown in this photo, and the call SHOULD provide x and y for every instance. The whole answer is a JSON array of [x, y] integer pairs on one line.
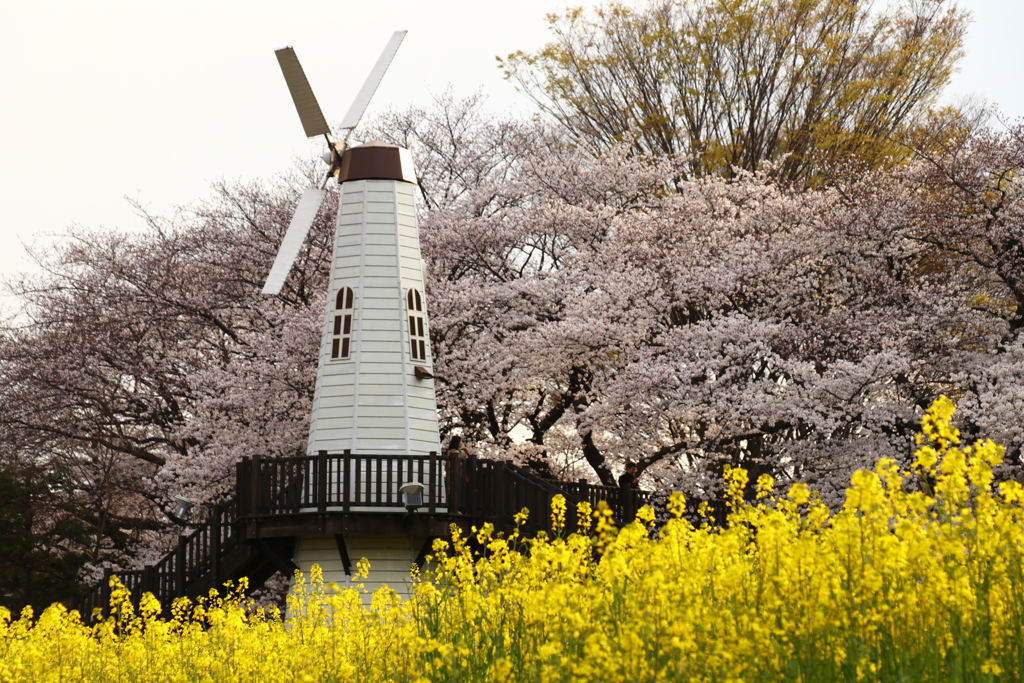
[[280, 499]]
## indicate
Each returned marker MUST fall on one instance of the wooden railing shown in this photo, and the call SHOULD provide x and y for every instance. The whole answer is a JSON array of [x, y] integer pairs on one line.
[[495, 491], [466, 487], [336, 482], [473, 490]]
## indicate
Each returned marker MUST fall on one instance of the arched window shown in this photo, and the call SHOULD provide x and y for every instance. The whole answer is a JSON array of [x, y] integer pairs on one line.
[[417, 333], [341, 339]]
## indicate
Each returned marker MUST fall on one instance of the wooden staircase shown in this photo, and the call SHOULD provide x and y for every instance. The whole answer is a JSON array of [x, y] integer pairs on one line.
[[207, 558]]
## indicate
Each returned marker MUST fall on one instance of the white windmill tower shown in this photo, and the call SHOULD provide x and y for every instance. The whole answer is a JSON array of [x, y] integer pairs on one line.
[[374, 386]]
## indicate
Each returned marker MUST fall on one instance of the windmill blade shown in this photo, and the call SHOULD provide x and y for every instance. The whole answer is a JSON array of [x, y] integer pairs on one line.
[[313, 121], [305, 212], [355, 112]]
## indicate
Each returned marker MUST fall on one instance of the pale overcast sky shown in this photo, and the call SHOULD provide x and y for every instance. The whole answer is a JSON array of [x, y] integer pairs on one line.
[[156, 99]]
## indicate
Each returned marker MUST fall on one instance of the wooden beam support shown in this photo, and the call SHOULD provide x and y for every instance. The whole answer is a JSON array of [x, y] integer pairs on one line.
[[343, 552], [285, 566], [421, 557]]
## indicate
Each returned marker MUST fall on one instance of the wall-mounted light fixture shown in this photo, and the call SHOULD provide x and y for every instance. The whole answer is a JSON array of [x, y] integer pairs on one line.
[[412, 495]]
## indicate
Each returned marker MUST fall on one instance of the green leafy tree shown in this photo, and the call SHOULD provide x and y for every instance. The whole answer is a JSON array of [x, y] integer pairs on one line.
[[734, 83], [42, 540]]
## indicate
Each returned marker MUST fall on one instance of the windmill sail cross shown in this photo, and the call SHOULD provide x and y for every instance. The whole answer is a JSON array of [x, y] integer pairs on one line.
[[314, 124]]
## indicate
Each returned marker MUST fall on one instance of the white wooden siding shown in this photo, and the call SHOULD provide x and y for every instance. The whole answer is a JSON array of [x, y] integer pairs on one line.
[[373, 402], [390, 557]]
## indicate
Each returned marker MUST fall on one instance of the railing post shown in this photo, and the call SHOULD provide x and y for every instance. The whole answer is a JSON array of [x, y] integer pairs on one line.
[[165, 584], [295, 485], [540, 495], [215, 530], [629, 506], [544, 507], [500, 493], [179, 568], [146, 585], [584, 498], [432, 484], [321, 490], [321, 482], [346, 481], [457, 481], [255, 483], [471, 485], [240, 501], [105, 592]]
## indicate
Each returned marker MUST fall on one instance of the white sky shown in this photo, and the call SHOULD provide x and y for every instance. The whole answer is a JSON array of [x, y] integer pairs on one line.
[[154, 100]]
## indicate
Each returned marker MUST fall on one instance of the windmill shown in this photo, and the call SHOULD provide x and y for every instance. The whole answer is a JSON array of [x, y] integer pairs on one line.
[[374, 397]]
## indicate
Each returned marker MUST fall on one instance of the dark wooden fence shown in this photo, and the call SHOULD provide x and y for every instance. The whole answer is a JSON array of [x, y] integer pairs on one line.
[[488, 490], [495, 491], [336, 482], [473, 491]]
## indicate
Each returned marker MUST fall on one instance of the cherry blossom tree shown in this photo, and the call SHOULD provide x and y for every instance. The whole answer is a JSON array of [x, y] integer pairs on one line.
[[973, 219], [606, 311], [586, 307], [148, 362]]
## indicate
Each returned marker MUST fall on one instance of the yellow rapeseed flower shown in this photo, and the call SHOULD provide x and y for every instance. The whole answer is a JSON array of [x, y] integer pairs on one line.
[[919, 577]]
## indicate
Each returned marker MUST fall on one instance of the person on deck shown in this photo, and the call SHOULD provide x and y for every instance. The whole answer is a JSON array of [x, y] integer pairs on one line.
[[629, 480], [629, 484], [460, 487], [456, 449]]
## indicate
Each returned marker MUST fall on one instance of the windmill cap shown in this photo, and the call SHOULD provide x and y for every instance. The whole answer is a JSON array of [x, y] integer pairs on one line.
[[376, 160]]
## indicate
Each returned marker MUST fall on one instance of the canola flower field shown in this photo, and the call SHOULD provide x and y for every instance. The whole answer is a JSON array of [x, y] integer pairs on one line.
[[900, 585]]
